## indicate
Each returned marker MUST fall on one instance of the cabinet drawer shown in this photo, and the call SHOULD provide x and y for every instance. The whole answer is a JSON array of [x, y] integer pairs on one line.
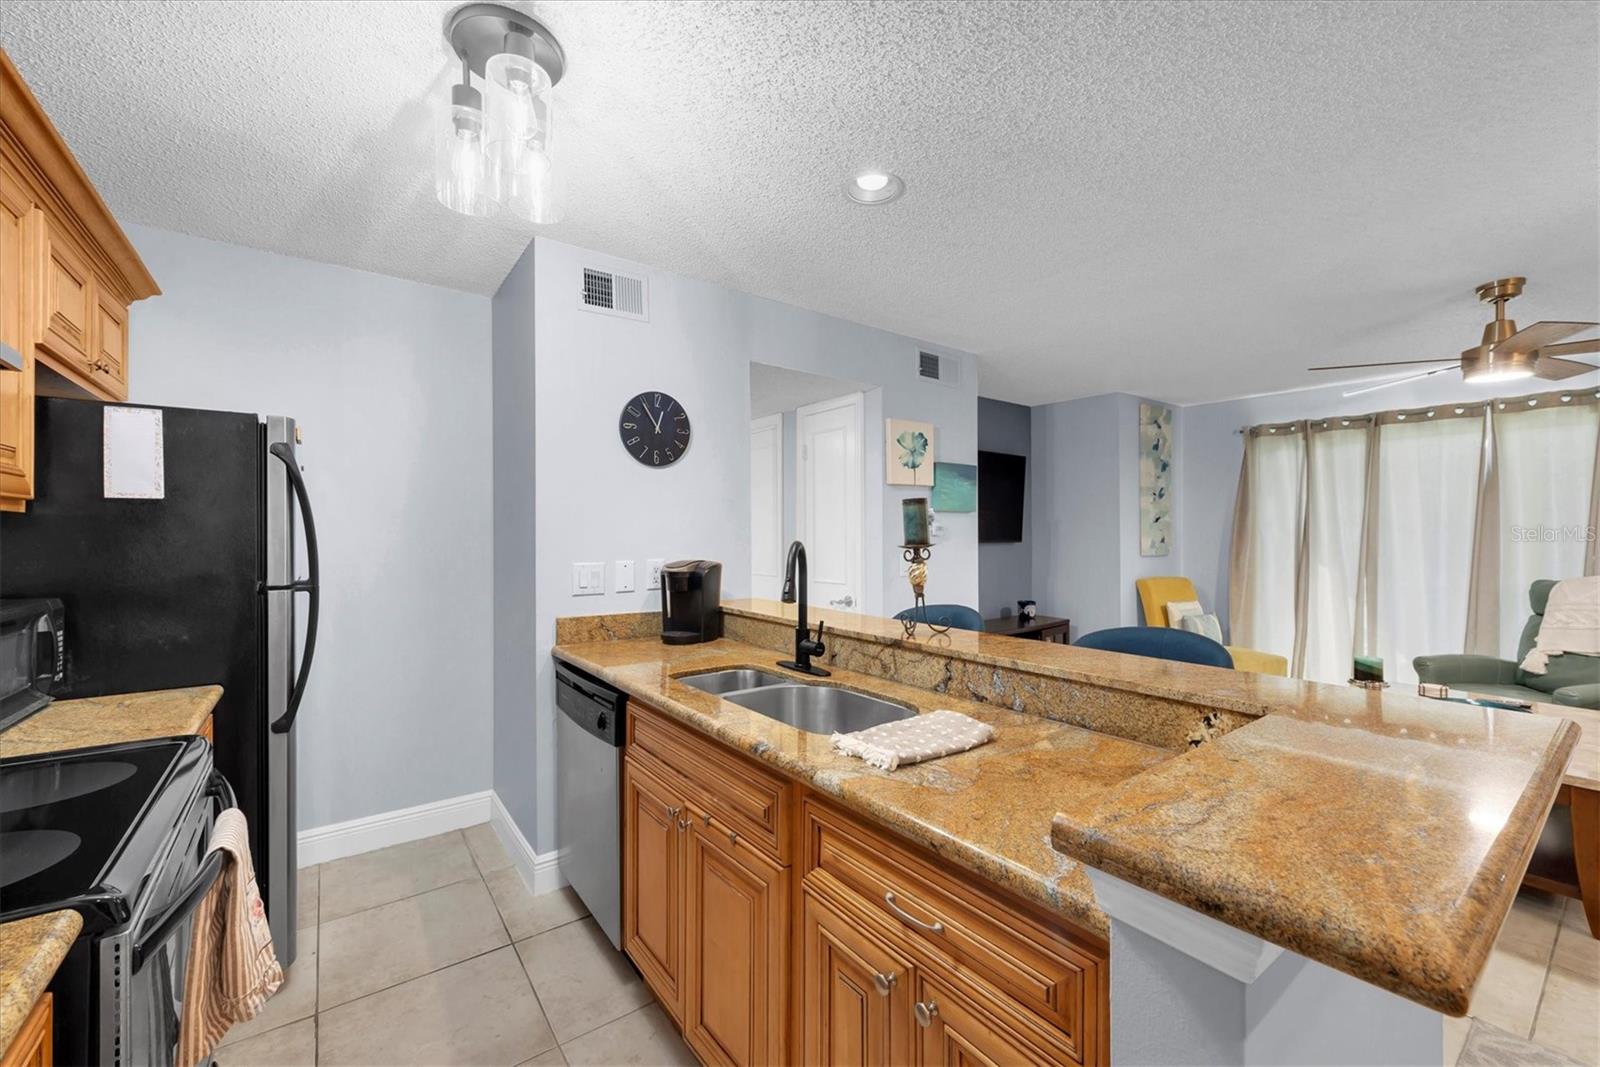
[[1025, 961], [728, 787]]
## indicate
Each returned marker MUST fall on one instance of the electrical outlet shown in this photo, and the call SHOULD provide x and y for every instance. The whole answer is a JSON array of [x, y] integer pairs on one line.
[[654, 566], [622, 580], [588, 579]]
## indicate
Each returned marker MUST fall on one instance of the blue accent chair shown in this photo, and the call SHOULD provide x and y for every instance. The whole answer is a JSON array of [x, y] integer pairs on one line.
[[955, 616], [1159, 642]]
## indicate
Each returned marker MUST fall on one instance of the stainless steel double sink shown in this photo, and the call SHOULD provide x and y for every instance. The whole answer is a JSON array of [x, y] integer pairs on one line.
[[816, 709]]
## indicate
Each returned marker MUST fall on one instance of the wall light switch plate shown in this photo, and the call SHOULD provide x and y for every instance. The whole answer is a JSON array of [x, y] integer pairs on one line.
[[622, 579], [654, 566], [588, 579]]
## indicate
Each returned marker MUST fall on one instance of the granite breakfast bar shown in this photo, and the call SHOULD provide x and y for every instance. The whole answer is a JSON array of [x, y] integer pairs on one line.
[[1367, 844]]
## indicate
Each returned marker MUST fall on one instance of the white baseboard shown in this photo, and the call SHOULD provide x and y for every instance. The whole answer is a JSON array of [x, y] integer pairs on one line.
[[338, 840], [540, 870]]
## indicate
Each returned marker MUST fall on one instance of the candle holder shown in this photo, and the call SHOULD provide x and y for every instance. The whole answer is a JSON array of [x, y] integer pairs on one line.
[[917, 573]]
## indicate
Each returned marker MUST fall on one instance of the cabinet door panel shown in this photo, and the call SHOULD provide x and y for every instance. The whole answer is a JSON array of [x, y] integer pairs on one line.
[[68, 308], [856, 1004], [652, 879], [109, 361], [16, 303], [968, 1030], [736, 933]]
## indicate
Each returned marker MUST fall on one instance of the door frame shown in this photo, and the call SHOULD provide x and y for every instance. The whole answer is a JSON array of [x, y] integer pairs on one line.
[[855, 489], [773, 423]]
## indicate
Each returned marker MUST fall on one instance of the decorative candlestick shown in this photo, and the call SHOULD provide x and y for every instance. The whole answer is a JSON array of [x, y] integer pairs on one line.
[[917, 573]]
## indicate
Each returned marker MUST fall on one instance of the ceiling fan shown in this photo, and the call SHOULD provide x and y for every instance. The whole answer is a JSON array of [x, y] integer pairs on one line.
[[1506, 353]]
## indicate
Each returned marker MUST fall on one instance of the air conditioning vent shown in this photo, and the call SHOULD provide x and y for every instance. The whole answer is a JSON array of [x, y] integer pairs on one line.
[[946, 370], [614, 294]]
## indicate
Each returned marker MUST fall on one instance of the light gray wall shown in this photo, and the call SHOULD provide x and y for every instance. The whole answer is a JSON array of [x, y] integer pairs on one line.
[[1085, 529], [390, 380], [1005, 571], [1211, 450], [594, 503], [515, 534]]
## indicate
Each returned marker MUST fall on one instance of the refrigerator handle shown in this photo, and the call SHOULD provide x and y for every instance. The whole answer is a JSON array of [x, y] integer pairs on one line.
[[312, 585]]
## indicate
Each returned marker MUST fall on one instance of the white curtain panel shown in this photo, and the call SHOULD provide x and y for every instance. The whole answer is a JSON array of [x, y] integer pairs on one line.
[[1546, 460], [1336, 469], [1277, 489], [1427, 501]]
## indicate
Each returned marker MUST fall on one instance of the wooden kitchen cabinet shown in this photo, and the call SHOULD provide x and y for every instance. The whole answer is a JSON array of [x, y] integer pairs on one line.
[[736, 910], [67, 277], [895, 958], [855, 1005], [34, 1044], [654, 825]]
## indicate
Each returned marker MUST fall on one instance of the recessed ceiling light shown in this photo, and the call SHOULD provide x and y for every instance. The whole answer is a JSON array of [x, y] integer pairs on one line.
[[873, 187]]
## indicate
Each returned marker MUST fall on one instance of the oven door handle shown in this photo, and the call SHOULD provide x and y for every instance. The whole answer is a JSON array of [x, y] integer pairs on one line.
[[184, 904]]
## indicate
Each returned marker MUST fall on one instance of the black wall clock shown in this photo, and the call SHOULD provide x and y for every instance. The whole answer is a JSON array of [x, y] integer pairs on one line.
[[654, 429]]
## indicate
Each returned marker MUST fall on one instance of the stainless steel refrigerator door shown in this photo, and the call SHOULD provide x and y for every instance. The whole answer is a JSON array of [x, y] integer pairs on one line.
[[280, 877], [588, 802]]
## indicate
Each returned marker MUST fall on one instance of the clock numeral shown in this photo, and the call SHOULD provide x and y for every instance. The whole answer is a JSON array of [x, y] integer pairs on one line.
[[680, 416], [658, 401], [683, 433], [642, 452], [632, 412], [630, 442], [630, 426]]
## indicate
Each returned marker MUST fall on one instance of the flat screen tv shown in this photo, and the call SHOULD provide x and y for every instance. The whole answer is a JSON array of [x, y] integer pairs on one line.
[[1002, 481]]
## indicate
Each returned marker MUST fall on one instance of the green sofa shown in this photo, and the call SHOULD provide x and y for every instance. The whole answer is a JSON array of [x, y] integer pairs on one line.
[[1572, 680]]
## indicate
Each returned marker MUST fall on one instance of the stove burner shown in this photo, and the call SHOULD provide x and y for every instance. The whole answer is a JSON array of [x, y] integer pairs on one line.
[[27, 852], [27, 787]]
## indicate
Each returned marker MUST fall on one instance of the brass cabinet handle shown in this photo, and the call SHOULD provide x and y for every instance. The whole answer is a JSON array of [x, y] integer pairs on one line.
[[884, 983], [683, 825], [925, 1011], [706, 817], [733, 837], [909, 919], [672, 814]]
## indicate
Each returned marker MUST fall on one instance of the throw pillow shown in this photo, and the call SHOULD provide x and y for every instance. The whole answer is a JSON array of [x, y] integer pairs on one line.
[[1177, 609], [1204, 625]]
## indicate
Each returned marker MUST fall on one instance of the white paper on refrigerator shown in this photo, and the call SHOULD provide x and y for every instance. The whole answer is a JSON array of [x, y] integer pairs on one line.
[[135, 463]]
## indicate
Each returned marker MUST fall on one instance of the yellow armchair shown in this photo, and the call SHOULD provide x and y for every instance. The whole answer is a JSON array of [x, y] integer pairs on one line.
[[1154, 595]]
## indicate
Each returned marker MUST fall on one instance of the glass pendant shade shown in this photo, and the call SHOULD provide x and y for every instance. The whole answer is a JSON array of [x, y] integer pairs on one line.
[[524, 82], [464, 178], [529, 185]]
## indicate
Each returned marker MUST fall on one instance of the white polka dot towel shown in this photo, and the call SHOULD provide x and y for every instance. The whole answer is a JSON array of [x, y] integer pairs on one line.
[[921, 737]]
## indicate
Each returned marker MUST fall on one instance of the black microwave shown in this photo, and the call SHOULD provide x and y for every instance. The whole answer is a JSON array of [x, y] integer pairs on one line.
[[33, 655]]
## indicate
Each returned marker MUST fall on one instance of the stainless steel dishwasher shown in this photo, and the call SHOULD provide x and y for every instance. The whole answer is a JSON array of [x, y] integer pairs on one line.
[[589, 737]]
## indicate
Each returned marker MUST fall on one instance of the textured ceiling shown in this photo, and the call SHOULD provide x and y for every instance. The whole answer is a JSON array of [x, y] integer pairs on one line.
[[1188, 200]]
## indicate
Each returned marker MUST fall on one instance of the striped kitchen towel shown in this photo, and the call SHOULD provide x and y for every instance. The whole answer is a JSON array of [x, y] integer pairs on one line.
[[921, 737], [232, 967]]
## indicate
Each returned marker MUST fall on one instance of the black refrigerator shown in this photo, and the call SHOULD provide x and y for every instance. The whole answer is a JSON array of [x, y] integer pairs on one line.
[[197, 588]]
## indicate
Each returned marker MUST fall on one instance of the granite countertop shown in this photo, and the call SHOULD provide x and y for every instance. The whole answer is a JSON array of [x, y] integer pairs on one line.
[[1584, 770], [107, 720], [1388, 844], [987, 810], [30, 951]]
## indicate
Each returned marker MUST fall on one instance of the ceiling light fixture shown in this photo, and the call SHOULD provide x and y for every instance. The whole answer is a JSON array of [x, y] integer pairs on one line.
[[874, 187], [495, 154]]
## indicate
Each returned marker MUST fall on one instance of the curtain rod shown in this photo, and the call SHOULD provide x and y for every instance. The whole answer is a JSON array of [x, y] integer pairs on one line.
[[1562, 396]]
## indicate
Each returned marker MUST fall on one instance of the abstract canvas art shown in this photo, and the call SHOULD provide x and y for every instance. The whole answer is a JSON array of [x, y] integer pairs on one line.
[[908, 452], [955, 487], [1155, 480]]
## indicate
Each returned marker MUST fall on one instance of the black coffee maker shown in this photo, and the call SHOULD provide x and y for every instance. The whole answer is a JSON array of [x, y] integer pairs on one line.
[[691, 599]]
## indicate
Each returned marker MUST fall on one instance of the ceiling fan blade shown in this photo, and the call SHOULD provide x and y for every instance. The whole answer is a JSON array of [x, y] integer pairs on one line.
[[1570, 348], [1539, 335], [1399, 381], [1552, 369], [1390, 363]]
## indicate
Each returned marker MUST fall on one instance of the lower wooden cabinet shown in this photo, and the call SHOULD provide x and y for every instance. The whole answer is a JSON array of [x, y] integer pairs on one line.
[[855, 1000], [34, 1044], [736, 944], [865, 951]]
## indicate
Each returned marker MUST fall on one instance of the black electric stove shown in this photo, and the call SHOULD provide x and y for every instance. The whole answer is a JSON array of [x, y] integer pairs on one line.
[[118, 833]]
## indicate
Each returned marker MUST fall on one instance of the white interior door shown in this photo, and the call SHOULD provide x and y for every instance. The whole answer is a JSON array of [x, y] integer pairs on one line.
[[828, 508], [766, 507]]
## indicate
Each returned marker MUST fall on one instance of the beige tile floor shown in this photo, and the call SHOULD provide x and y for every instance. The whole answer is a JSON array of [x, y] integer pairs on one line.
[[1538, 1001], [434, 952]]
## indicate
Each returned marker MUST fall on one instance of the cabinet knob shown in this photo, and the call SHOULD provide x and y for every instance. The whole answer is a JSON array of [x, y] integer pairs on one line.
[[683, 825], [733, 837], [925, 1011], [672, 813], [884, 983]]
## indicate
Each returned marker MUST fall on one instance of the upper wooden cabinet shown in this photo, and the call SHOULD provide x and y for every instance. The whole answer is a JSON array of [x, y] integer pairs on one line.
[[67, 276]]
